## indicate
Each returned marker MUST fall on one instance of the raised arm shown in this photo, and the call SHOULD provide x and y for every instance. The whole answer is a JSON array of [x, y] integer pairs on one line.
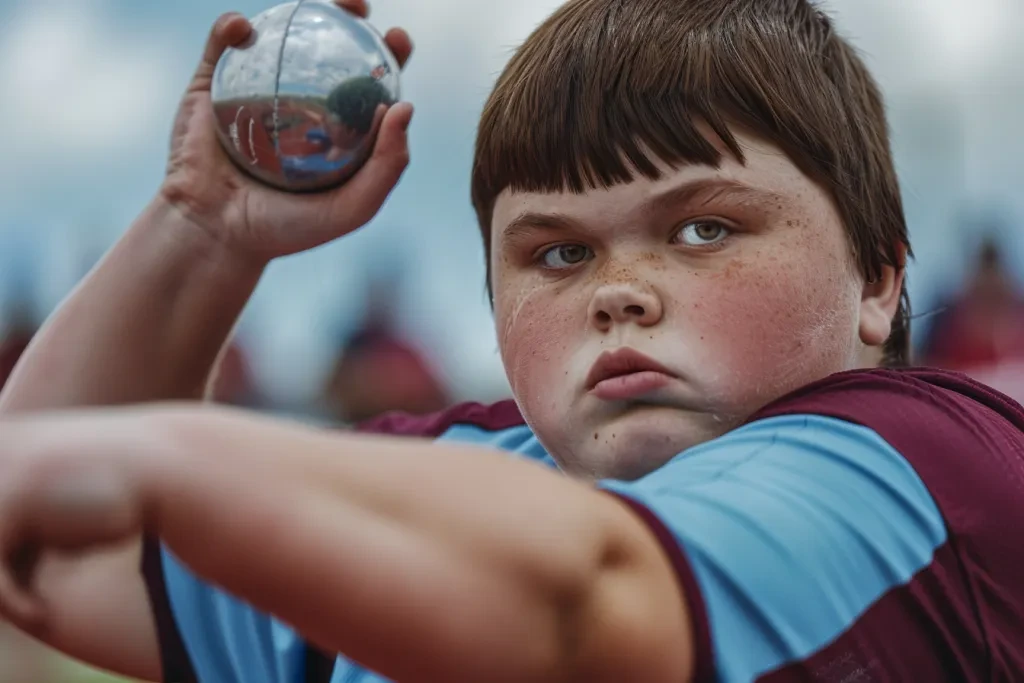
[[151, 319], [147, 323]]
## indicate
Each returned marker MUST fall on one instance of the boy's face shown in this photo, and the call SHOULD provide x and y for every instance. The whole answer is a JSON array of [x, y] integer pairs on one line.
[[738, 282]]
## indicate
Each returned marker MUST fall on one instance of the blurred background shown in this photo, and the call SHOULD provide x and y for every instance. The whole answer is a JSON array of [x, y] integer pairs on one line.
[[396, 315]]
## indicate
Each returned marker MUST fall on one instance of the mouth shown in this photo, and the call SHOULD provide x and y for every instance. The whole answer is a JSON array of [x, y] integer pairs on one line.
[[626, 374]]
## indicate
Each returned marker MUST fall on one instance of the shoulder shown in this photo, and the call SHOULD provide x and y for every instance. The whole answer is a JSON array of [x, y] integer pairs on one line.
[[914, 396], [494, 417], [794, 537], [964, 439], [815, 536]]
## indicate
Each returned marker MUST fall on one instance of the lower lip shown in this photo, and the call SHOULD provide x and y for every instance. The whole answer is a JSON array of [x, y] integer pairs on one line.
[[632, 386]]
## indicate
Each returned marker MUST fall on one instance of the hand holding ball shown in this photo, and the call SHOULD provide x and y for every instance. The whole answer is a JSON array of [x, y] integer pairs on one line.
[[299, 106]]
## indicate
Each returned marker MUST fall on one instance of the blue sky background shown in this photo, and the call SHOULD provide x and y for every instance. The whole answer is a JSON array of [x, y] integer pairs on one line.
[[90, 88]]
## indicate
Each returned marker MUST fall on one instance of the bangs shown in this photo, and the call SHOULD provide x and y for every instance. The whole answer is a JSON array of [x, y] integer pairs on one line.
[[607, 89]]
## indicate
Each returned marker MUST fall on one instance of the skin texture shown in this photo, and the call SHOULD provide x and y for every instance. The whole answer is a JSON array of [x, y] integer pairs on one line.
[[745, 288]]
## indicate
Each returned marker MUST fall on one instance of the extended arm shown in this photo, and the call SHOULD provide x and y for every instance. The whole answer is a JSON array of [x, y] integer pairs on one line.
[[424, 562], [792, 544]]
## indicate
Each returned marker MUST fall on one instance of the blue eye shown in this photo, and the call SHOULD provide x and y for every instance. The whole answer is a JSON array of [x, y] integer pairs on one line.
[[701, 233], [565, 256]]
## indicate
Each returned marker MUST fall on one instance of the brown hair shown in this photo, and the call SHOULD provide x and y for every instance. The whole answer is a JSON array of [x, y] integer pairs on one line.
[[605, 87]]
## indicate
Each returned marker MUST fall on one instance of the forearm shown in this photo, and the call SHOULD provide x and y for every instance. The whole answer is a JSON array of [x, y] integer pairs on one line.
[[421, 561], [147, 324]]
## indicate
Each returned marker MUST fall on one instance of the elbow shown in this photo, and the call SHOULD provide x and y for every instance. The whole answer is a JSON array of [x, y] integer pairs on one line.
[[623, 617], [580, 613], [554, 653]]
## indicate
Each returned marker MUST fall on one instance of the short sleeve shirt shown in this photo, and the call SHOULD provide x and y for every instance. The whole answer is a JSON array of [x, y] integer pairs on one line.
[[864, 528]]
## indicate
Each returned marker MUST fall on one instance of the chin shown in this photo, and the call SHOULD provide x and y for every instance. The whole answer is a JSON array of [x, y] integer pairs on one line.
[[643, 440]]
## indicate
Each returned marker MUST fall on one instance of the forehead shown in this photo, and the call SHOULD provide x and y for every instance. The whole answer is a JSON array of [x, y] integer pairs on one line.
[[766, 175]]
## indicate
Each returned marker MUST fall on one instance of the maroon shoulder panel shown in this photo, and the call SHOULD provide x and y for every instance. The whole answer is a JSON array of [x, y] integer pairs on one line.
[[961, 618], [495, 417]]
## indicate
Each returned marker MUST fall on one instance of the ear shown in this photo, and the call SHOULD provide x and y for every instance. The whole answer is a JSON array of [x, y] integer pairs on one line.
[[880, 300]]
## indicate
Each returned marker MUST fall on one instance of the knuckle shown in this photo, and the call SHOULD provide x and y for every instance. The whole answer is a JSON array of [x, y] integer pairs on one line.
[[223, 20]]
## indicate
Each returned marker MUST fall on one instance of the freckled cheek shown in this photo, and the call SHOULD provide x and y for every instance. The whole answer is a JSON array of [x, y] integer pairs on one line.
[[724, 321], [749, 326], [536, 335]]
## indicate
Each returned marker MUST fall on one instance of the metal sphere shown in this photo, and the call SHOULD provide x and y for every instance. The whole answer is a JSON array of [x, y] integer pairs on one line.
[[299, 106]]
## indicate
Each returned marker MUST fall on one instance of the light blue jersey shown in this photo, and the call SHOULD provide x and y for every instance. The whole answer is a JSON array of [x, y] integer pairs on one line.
[[783, 533]]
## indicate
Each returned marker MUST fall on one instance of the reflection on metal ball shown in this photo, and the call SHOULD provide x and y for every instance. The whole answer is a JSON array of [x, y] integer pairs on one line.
[[299, 106]]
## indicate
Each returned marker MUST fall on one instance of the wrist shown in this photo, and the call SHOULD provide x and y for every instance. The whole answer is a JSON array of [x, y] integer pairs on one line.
[[198, 244], [186, 293]]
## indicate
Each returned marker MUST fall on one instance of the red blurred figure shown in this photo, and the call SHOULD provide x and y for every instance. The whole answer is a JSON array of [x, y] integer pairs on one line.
[[379, 370], [981, 333]]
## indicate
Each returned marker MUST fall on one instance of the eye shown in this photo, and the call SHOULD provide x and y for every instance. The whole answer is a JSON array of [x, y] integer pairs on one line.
[[701, 234], [564, 256]]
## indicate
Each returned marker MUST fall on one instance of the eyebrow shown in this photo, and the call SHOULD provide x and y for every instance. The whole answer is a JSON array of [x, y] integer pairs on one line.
[[702, 192], [705, 191]]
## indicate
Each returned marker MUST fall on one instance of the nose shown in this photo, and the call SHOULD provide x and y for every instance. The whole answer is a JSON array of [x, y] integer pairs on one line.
[[618, 304]]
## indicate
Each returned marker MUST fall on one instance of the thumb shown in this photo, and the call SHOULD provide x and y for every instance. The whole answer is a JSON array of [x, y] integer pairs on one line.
[[230, 30], [374, 181]]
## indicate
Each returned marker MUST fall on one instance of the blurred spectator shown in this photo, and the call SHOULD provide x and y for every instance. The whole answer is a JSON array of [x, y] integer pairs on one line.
[[379, 371], [981, 332]]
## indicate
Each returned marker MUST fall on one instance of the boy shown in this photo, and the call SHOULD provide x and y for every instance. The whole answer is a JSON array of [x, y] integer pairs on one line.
[[696, 252]]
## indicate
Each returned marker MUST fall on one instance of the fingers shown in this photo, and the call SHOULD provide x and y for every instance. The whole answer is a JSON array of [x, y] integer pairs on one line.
[[233, 29], [400, 44], [230, 30], [397, 39], [375, 180], [360, 8]]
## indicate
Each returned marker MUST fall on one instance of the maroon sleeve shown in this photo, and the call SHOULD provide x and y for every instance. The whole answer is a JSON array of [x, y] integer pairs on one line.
[[703, 652]]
